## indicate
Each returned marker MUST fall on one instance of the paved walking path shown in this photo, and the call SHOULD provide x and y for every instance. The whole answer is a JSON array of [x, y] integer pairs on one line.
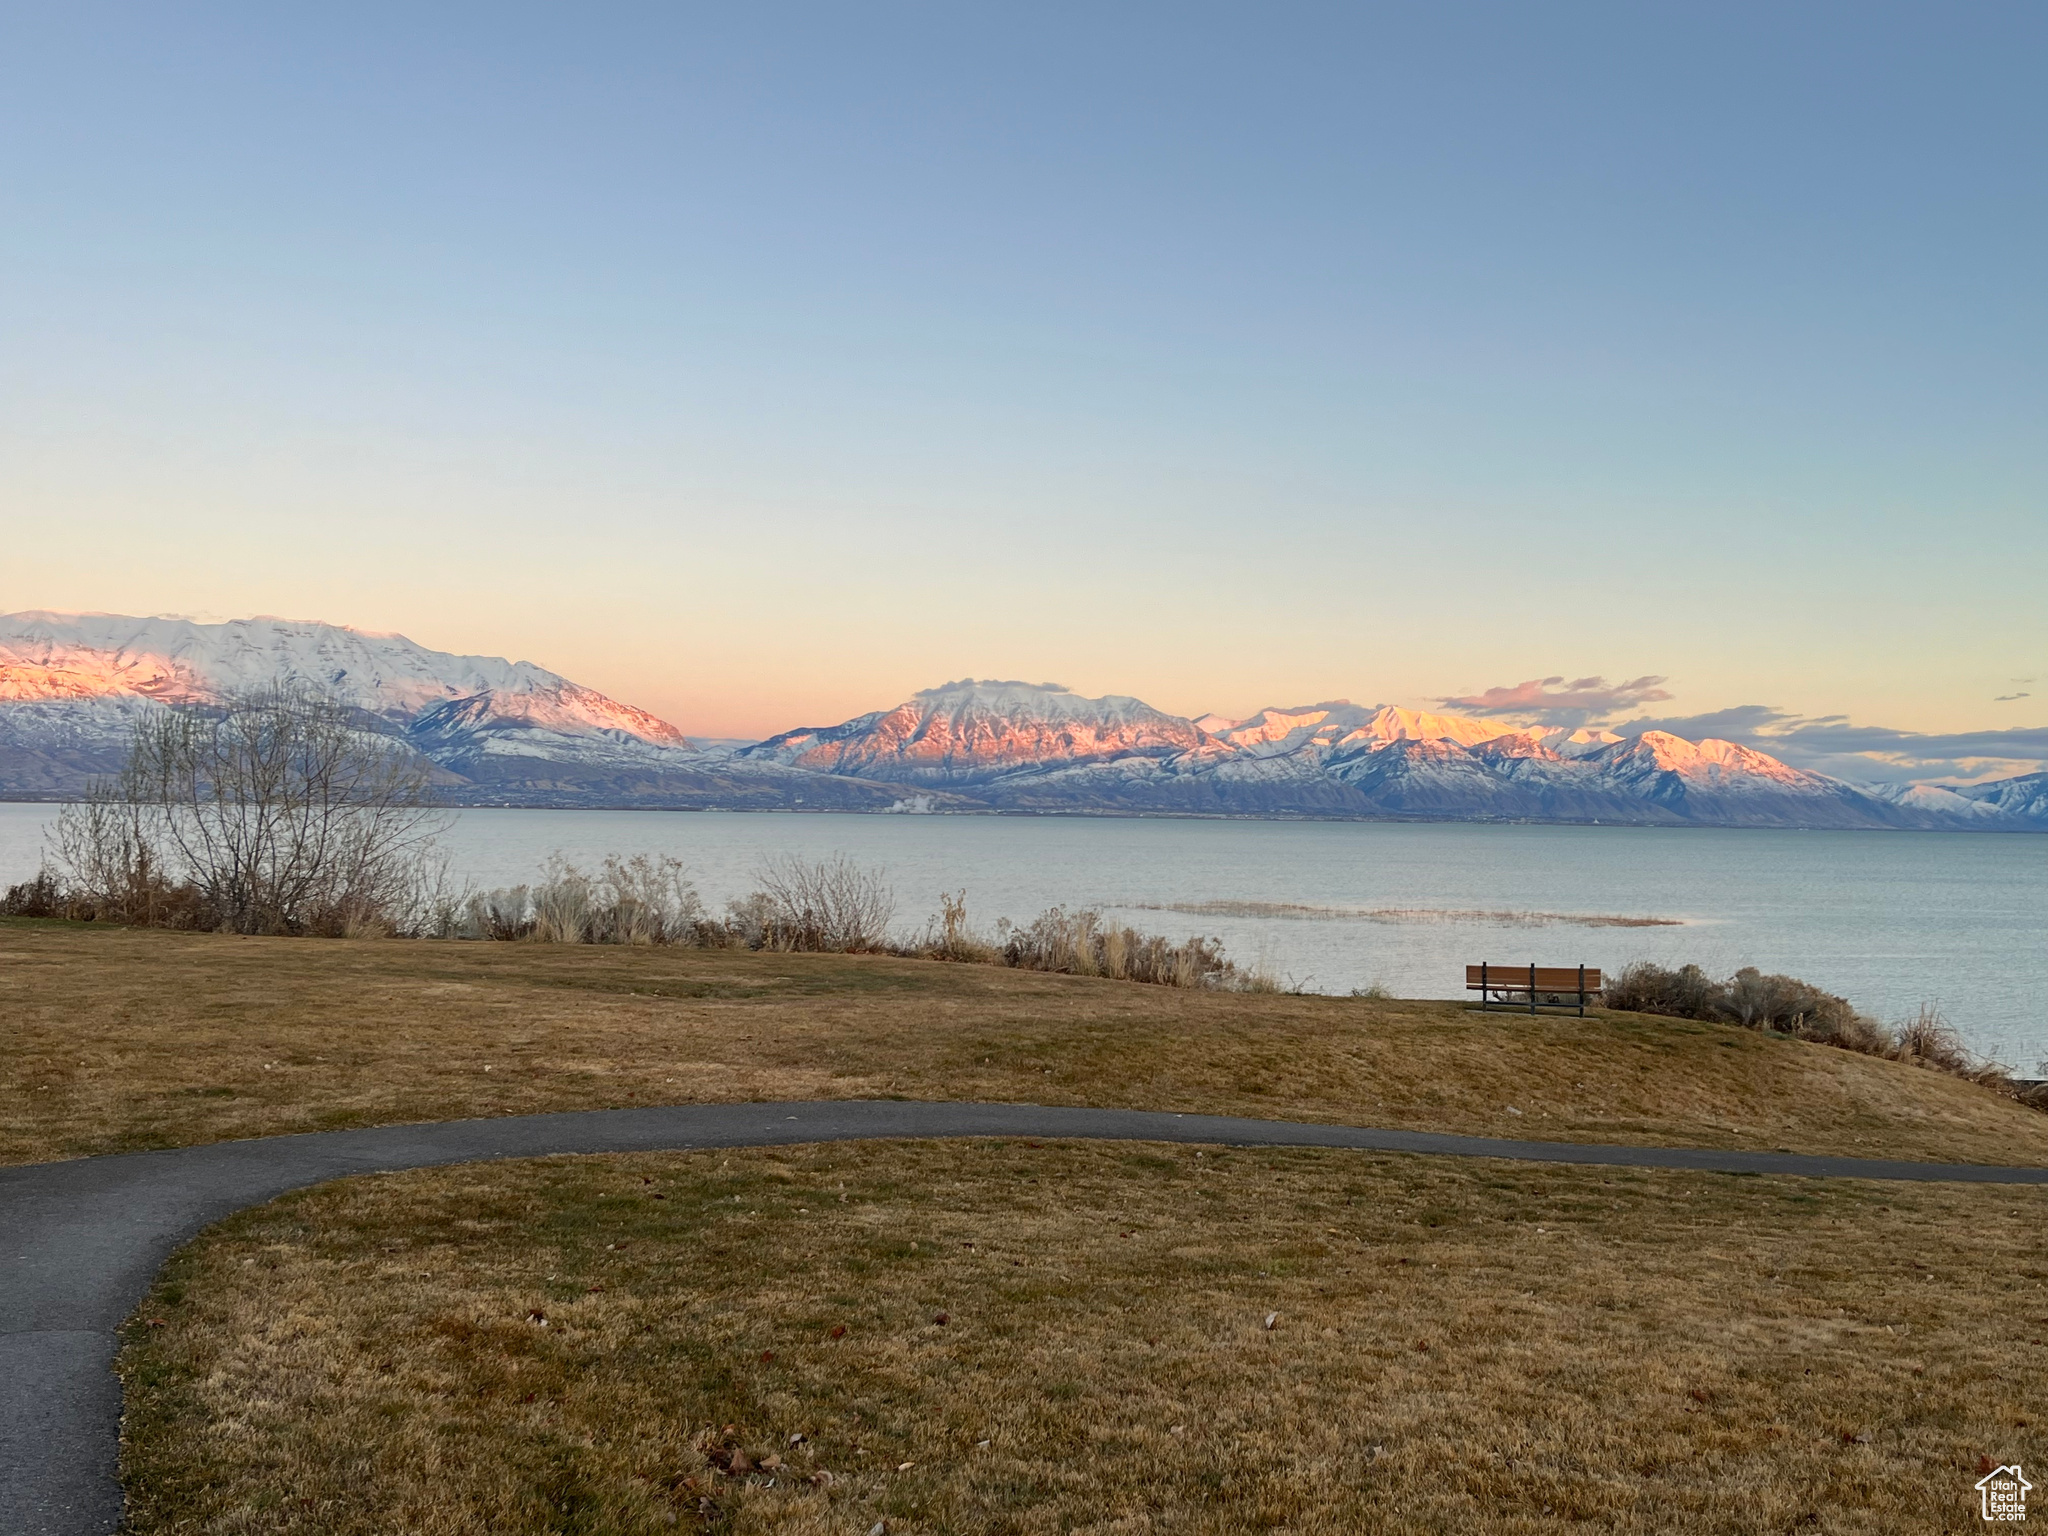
[[81, 1241]]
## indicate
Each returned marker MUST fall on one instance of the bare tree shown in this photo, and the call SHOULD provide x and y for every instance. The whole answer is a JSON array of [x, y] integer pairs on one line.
[[274, 813]]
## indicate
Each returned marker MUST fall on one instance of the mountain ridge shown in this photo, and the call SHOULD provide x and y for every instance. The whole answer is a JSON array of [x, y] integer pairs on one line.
[[500, 732]]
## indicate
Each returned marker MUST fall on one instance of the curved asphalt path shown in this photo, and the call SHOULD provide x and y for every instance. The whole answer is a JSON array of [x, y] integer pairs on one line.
[[81, 1241]]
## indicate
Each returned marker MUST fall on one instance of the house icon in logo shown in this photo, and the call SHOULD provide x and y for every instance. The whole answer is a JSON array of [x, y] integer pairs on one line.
[[2004, 1493]]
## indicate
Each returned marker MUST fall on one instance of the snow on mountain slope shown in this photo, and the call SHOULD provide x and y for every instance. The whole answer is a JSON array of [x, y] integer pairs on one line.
[[1271, 732], [1937, 799], [2024, 797], [53, 656], [968, 731], [1016, 746], [1647, 758], [71, 686], [1566, 742], [1339, 726], [1724, 783], [502, 732]]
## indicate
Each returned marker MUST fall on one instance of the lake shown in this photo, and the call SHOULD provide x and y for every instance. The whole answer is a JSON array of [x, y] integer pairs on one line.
[[1887, 919]]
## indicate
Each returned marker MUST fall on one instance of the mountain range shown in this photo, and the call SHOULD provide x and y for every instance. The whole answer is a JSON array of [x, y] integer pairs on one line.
[[511, 733]]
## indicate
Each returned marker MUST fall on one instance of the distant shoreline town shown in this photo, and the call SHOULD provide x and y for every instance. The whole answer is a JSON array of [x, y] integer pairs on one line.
[[512, 734]]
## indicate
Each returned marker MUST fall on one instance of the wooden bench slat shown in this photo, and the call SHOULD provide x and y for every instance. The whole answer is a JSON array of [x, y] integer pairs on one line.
[[1549, 978]]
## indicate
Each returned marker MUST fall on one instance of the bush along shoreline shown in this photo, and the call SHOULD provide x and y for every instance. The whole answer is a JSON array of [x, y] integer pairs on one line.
[[827, 906]]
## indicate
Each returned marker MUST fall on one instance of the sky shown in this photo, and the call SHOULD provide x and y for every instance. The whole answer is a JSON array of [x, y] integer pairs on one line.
[[761, 365]]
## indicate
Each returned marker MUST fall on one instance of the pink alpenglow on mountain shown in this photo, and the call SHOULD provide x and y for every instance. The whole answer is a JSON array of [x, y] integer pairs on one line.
[[72, 687], [968, 731], [1711, 762], [1340, 725], [53, 656]]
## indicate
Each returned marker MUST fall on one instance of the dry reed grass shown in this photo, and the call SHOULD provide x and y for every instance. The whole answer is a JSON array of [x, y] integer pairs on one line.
[[1022, 1339], [1085, 943], [120, 1039]]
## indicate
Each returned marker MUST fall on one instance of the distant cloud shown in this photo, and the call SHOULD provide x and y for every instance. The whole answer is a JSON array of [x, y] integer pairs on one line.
[[2007, 698], [1553, 701]]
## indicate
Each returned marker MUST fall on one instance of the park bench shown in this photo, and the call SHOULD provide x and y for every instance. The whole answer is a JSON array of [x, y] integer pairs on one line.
[[1548, 986]]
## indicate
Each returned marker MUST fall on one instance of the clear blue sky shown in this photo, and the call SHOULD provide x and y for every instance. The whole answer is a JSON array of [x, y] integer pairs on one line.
[[760, 364]]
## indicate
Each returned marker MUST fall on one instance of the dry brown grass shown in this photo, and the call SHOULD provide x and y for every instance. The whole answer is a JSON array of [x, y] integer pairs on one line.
[[119, 1039], [1070, 1338]]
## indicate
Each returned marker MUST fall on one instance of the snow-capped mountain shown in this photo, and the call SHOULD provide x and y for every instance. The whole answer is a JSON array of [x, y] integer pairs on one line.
[[72, 686], [1016, 746], [1947, 802], [47, 657], [970, 732], [1340, 726], [503, 732], [2025, 796]]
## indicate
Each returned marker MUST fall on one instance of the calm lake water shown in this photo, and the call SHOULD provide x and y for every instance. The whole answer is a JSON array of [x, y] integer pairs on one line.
[[1888, 919]]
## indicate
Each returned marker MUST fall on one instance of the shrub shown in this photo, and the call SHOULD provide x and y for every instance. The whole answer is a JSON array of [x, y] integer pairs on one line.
[[949, 935], [40, 897], [1081, 943], [829, 906], [640, 900], [1686, 993]]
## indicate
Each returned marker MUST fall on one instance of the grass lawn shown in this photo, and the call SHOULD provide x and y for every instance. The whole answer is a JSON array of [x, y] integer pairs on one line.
[[1047, 1338], [124, 1039]]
